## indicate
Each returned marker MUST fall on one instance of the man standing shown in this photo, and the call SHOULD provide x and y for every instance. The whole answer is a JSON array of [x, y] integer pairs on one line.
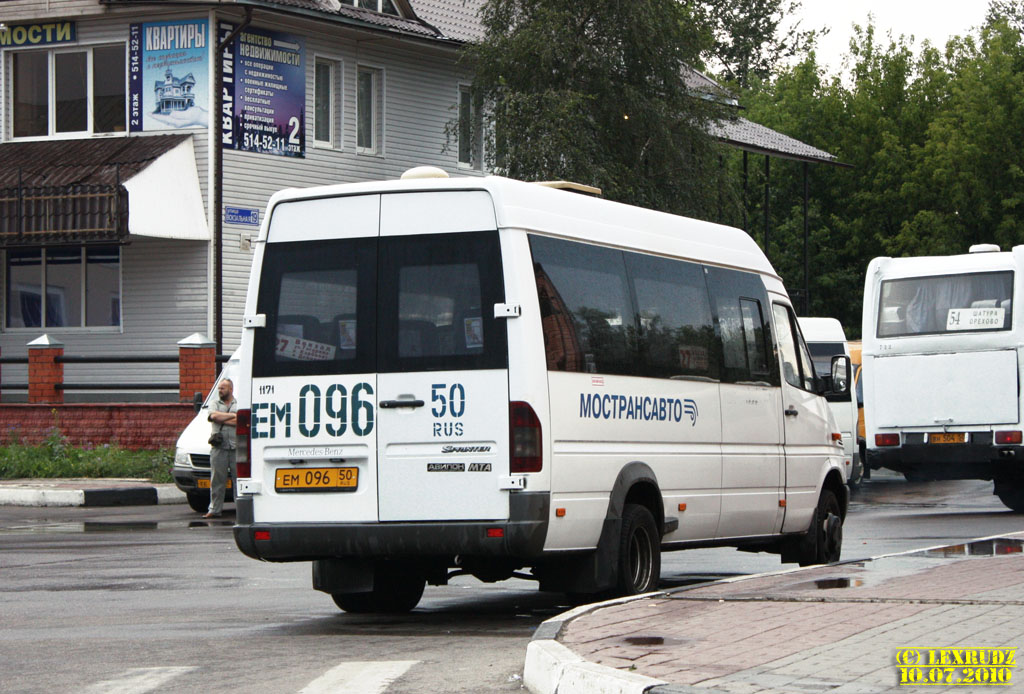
[[222, 448]]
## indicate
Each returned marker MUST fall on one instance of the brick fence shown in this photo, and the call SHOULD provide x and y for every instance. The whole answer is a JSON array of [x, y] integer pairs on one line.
[[128, 425]]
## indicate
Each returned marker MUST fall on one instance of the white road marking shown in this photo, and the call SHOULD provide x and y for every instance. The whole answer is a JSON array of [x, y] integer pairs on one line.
[[359, 677], [138, 680]]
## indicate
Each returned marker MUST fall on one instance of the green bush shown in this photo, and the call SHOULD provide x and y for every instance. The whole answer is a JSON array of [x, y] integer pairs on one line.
[[55, 457]]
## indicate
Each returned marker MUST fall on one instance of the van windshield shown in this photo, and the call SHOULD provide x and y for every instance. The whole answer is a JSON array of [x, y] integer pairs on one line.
[[946, 304], [394, 304]]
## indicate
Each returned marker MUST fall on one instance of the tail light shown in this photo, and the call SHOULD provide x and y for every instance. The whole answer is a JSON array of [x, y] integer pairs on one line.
[[887, 440], [524, 438], [243, 466], [1009, 437]]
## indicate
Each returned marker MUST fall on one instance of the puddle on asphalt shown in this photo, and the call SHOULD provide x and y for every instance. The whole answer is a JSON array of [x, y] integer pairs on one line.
[[651, 641], [117, 526], [112, 526], [834, 583], [982, 548]]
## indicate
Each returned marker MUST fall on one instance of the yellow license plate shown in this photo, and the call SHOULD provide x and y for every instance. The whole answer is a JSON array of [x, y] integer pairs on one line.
[[959, 437], [316, 479], [205, 484]]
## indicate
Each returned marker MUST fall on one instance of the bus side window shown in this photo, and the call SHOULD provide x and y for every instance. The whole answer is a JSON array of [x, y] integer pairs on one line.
[[739, 302], [676, 333], [591, 325]]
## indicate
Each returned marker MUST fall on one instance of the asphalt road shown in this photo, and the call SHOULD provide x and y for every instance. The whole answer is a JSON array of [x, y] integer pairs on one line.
[[153, 599]]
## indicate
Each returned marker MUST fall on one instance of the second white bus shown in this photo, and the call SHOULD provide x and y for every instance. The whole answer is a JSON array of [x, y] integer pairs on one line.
[[942, 357]]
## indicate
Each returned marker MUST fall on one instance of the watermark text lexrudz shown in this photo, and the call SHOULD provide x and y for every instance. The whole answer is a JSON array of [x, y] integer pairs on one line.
[[955, 666]]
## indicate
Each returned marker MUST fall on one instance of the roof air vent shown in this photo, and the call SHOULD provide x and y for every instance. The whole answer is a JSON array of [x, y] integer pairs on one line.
[[571, 186], [984, 248], [425, 172]]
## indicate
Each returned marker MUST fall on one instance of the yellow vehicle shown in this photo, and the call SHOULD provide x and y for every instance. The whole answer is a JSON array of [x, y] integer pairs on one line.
[[855, 365]]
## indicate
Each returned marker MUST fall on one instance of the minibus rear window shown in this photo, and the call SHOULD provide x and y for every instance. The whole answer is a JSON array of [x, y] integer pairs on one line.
[[318, 297], [946, 304], [394, 304]]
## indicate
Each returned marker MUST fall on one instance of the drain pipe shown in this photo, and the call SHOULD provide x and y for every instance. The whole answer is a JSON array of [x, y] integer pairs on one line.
[[218, 178]]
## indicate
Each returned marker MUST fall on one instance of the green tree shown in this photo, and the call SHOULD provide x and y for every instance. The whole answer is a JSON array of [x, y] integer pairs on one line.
[[593, 91], [750, 41]]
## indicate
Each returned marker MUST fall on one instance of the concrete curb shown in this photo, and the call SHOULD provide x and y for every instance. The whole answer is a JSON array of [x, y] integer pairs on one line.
[[551, 668], [109, 496]]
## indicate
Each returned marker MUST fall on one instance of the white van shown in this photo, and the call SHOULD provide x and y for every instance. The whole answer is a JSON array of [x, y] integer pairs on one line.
[[481, 375], [942, 353], [825, 339], [191, 471]]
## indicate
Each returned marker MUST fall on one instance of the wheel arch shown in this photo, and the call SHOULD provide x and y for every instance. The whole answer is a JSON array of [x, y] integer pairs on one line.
[[636, 483], [834, 482]]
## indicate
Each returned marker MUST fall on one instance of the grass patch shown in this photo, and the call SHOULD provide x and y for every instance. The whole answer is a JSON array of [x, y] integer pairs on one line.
[[54, 457]]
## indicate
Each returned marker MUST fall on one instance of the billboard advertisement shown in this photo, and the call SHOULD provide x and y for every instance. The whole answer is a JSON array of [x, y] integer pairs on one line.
[[265, 92], [168, 67]]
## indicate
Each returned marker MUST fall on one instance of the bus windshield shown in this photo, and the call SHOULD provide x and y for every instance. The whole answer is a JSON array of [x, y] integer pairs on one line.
[[946, 304]]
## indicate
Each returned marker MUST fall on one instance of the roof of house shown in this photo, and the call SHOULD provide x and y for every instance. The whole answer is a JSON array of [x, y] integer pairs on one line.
[[753, 137], [88, 160], [458, 20]]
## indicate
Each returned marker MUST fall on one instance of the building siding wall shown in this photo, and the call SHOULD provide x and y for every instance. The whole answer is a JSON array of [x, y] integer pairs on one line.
[[167, 286]]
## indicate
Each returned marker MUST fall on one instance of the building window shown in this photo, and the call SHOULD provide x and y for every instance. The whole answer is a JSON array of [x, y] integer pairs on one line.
[[66, 287], [368, 109], [470, 129], [68, 91], [385, 6], [326, 102]]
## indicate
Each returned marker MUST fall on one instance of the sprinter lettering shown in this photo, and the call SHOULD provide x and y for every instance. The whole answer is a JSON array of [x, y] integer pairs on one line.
[[331, 411], [638, 408]]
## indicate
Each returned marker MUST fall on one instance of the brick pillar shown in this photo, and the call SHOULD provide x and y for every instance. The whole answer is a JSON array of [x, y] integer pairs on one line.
[[45, 374], [197, 366]]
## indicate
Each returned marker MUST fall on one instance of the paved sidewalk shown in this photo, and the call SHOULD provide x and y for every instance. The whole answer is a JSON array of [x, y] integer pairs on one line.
[[87, 492], [833, 629]]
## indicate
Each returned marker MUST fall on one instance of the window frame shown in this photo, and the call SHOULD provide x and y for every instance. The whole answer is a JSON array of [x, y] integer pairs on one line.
[[82, 327], [475, 132], [379, 8], [336, 126], [376, 147], [51, 92], [804, 362]]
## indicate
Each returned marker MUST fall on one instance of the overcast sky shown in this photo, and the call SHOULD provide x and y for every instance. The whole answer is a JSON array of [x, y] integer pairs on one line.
[[935, 20]]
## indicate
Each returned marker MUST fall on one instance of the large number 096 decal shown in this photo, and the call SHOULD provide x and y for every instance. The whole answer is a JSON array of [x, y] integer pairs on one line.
[[332, 411]]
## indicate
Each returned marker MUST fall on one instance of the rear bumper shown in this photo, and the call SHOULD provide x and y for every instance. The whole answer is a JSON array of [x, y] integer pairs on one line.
[[522, 537], [950, 462]]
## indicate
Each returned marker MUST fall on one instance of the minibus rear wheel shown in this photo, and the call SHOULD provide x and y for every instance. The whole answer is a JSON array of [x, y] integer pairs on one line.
[[1011, 493], [639, 551], [393, 592]]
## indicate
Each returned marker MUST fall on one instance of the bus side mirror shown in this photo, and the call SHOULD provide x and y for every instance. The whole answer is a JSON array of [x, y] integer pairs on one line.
[[840, 375], [197, 402]]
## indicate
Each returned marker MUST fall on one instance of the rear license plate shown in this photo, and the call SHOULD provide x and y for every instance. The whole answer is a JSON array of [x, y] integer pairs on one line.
[[958, 437], [316, 479], [205, 484]]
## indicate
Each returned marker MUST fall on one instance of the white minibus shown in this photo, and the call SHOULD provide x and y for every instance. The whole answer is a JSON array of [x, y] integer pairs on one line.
[[497, 378], [825, 339], [942, 378]]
